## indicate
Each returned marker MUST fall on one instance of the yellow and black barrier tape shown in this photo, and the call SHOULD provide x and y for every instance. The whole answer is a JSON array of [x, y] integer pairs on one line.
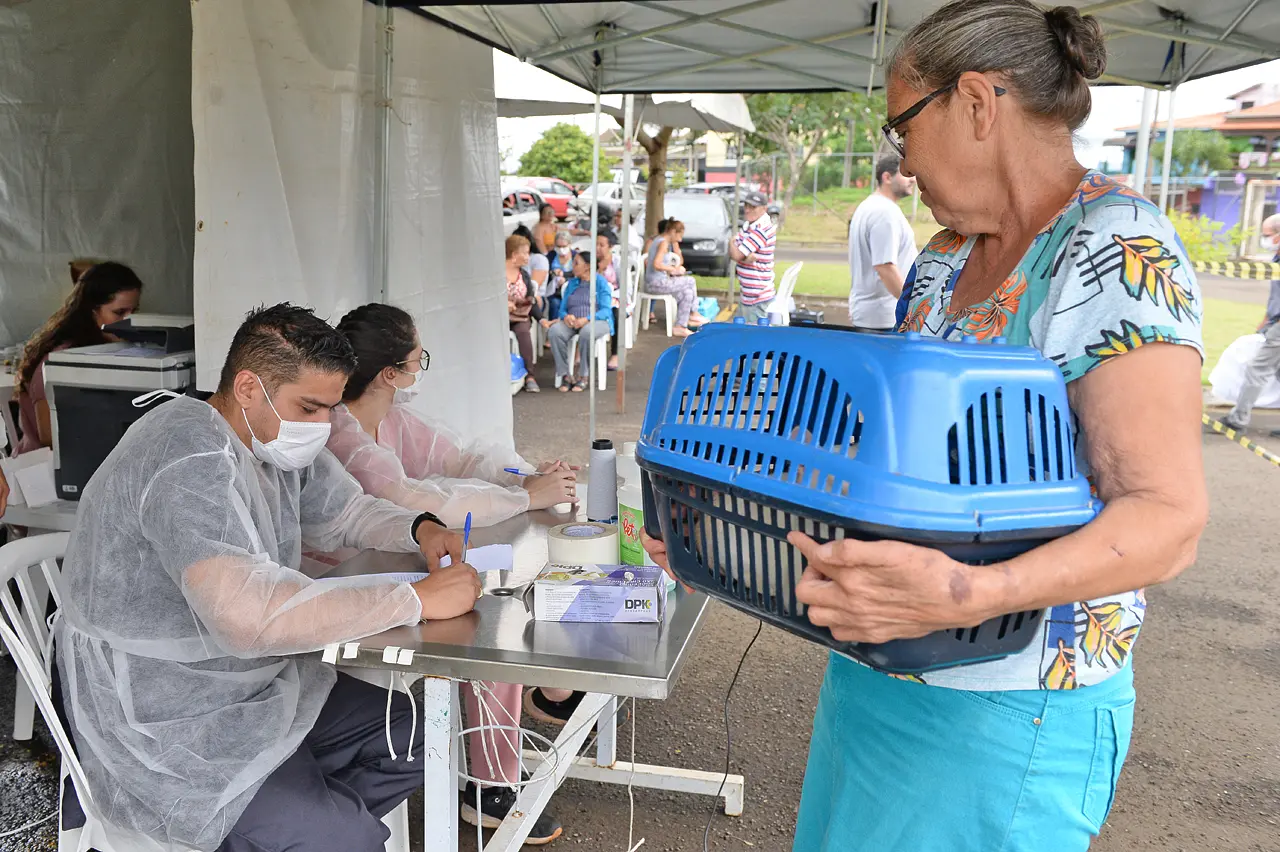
[[1253, 270], [1233, 435]]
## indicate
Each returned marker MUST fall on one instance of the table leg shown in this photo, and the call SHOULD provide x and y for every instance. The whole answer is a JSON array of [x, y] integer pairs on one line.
[[534, 797], [439, 766], [607, 734]]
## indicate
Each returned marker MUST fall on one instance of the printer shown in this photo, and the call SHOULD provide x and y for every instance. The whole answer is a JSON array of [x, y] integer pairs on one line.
[[91, 389]]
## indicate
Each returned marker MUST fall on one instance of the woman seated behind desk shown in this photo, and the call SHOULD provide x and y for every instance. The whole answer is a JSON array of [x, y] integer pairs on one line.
[[399, 455], [103, 293]]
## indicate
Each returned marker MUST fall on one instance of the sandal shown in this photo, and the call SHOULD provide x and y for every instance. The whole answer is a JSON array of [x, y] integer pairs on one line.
[[566, 384], [579, 386]]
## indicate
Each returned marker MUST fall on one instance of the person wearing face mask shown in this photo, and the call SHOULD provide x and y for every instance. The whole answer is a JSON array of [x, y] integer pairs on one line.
[[398, 454], [1265, 365], [103, 293], [185, 613]]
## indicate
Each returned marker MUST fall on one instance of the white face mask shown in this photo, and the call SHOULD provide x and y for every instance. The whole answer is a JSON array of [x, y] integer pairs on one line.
[[406, 394], [295, 447], [1270, 243]]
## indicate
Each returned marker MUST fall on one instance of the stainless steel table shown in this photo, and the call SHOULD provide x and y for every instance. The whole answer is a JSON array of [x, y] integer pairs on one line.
[[59, 516], [500, 641]]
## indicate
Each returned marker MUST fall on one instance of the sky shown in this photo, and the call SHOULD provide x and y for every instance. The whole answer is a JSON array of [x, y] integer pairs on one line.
[[1113, 106]]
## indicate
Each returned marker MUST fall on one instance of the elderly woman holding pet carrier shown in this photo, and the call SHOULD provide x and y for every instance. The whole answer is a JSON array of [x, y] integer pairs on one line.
[[1021, 753]]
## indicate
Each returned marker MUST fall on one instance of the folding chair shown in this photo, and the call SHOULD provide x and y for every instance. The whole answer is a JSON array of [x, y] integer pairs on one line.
[[32, 565]]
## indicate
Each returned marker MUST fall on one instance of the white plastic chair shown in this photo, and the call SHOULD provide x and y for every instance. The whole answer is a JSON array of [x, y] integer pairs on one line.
[[628, 329], [31, 563], [781, 305], [670, 311], [602, 359]]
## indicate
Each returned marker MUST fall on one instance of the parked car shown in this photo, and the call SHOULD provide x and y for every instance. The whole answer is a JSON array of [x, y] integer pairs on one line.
[[610, 198], [519, 207], [554, 191], [725, 191], [708, 227]]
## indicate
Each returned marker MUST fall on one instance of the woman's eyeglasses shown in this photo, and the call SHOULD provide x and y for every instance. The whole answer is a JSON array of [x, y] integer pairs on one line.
[[890, 130], [424, 361]]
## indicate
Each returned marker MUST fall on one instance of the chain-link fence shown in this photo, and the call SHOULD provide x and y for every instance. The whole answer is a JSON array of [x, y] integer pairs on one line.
[[826, 192]]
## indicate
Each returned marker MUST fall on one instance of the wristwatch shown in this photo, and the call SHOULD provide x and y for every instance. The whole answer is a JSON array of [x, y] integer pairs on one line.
[[417, 522]]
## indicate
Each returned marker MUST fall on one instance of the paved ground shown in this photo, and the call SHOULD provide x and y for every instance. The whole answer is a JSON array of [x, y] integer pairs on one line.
[[1203, 772]]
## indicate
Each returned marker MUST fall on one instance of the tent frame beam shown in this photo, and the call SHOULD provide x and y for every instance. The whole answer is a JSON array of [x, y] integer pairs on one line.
[[729, 59], [820, 44], [555, 51], [842, 85], [1227, 33]]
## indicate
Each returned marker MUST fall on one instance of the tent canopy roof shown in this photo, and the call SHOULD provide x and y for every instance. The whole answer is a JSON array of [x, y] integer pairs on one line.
[[645, 46], [717, 113]]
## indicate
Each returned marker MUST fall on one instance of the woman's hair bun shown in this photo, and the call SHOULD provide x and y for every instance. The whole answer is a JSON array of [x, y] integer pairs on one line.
[[1081, 38]]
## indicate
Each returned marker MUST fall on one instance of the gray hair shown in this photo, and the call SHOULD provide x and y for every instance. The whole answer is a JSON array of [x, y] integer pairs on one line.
[[1272, 221], [1046, 58]]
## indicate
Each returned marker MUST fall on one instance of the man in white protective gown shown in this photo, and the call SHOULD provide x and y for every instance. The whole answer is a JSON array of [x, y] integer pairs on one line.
[[185, 607]]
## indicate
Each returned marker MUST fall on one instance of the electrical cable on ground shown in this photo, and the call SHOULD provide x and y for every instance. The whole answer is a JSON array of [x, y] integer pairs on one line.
[[728, 738], [28, 826]]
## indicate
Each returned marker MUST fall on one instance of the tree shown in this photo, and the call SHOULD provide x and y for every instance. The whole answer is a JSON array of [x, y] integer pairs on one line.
[[799, 126], [562, 152], [1195, 152], [656, 147]]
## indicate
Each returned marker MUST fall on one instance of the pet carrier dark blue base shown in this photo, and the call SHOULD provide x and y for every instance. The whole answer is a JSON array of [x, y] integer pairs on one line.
[[751, 433]]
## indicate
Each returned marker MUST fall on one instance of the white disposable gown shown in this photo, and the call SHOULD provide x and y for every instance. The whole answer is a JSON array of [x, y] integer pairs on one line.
[[423, 466], [183, 602]]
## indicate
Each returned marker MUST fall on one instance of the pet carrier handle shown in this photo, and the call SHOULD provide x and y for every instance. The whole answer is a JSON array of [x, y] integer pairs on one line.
[[650, 505]]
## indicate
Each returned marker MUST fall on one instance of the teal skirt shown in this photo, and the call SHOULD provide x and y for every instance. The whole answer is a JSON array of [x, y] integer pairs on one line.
[[897, 766]]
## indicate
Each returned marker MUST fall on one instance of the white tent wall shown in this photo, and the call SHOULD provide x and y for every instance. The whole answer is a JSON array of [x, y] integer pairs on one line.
[[95, 151], [446, 252], [285, 125]]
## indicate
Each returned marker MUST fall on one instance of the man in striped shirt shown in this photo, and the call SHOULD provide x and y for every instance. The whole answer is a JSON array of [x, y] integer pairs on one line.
[[752, 250]]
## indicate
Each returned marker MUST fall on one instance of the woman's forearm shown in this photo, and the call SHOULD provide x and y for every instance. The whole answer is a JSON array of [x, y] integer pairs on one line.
[[1136, 541]]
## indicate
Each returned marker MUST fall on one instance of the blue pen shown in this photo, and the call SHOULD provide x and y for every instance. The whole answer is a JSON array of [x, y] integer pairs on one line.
[[466, 536], [518, 472]]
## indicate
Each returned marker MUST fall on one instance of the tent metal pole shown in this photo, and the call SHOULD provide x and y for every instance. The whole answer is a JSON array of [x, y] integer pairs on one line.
[[385, 29], [624, 240], [1168, 149], [737, 206], [1140, 155], [882, 21], [591, 279]]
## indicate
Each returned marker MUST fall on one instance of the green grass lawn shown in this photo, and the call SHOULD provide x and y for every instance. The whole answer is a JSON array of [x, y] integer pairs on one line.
[[830, 224], [1224, 321]]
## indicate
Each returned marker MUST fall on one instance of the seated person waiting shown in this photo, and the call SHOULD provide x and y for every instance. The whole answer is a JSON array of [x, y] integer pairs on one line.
[[575, 321]]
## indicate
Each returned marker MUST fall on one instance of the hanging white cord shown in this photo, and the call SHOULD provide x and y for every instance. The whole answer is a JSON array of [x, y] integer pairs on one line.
[[631, 793], [413, 715]]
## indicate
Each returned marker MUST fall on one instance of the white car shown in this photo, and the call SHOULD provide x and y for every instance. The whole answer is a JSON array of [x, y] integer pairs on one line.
[[610, 197], [520, 205]]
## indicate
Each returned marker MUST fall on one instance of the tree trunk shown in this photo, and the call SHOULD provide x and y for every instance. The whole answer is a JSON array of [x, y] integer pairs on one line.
[[656, 192]]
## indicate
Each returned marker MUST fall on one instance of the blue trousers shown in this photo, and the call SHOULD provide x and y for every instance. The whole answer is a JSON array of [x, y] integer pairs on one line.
[[897, 766]]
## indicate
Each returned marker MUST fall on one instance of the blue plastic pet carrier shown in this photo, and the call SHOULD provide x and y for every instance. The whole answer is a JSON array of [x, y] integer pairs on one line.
[[751, 433]]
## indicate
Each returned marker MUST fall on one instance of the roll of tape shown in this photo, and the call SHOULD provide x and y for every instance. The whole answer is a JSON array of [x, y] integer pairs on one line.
[[588, 543]]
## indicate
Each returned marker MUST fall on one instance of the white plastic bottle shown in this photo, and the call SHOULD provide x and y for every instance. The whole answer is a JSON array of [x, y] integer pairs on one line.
[[630, 509]]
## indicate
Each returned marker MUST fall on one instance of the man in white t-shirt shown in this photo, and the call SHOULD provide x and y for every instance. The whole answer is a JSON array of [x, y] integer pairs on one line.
[[881, 249]]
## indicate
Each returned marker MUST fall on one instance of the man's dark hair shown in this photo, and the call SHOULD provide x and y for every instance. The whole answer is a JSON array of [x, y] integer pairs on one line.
[[890, 163], [277, 342]]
